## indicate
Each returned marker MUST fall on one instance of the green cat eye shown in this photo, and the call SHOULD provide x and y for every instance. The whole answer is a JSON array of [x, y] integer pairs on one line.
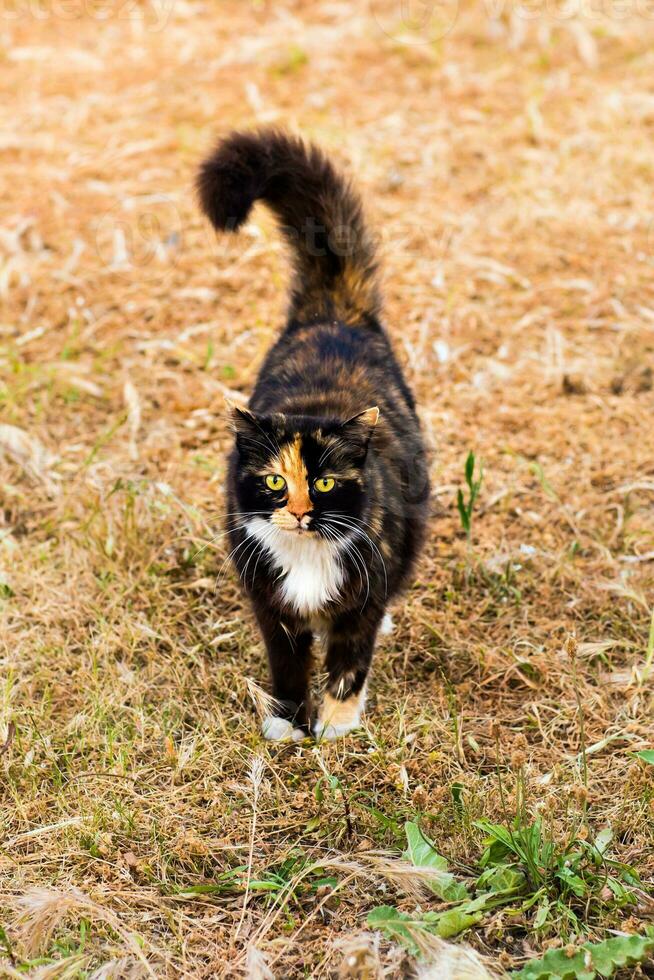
[[275, 482], [324, 484]]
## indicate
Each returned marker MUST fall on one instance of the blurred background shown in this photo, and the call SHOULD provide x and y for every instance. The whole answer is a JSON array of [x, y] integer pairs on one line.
[[504, 153]]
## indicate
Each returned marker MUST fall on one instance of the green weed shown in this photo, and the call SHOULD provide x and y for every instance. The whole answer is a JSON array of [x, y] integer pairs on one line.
[[591, 960], [522, 869], [464, 507]]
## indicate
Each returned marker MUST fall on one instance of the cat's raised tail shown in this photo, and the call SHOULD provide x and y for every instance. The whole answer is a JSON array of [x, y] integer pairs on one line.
[[319, 214]]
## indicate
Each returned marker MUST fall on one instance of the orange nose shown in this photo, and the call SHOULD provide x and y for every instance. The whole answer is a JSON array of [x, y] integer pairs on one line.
[[298, 512]]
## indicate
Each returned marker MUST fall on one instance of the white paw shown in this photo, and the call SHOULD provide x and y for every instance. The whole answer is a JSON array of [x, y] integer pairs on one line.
[[280, 730], [387, 625], [329, 732], [337, 718]]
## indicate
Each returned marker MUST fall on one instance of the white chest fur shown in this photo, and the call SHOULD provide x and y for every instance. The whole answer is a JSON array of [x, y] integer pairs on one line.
[[310, 568]]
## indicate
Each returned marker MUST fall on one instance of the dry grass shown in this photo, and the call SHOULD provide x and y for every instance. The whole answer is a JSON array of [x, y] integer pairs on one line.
[[508, 168]]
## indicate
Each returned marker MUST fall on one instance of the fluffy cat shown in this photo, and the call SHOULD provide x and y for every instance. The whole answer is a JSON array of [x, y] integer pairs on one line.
[[328, 487]]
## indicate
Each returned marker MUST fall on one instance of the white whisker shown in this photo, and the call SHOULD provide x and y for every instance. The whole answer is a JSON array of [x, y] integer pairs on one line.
[[345, 522]]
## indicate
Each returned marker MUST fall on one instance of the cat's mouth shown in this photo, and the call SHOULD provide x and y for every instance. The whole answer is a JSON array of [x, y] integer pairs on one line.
[[293, 525], [300, 531]]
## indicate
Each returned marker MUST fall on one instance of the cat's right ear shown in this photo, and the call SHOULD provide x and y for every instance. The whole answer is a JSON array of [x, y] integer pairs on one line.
[[248, 430], [242, 420]]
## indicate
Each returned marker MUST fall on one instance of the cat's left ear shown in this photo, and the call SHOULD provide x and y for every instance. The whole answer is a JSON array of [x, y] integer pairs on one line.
[[359, 428]]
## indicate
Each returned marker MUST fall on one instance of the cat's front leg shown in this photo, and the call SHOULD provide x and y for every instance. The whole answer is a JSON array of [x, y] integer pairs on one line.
[[289, 656], [350, 647]]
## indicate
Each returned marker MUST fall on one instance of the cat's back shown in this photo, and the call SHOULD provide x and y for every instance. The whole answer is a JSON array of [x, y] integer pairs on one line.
[[333, 365]]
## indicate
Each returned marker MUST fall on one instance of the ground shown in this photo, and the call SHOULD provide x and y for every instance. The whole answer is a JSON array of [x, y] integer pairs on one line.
[[505, 157]]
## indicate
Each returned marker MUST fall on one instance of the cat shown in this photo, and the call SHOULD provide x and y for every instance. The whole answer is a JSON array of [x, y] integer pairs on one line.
[[327, 487]]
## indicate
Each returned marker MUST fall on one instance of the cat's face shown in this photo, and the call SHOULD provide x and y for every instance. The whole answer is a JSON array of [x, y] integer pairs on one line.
[[305, 476]]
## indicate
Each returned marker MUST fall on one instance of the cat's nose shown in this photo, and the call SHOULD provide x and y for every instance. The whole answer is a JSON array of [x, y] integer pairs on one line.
[[302, 516]]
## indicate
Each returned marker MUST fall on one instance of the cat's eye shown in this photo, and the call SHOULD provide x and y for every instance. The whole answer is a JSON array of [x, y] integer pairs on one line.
[[275, 482], [324, 484]]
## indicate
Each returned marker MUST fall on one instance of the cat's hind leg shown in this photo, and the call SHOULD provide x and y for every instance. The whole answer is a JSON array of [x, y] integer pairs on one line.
[[387, 625]]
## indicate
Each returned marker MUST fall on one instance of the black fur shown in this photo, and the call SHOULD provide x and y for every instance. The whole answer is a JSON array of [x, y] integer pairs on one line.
[[332, 362], [319, 215]]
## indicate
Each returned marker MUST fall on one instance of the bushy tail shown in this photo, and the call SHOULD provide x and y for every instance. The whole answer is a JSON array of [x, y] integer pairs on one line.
[[319, 213]]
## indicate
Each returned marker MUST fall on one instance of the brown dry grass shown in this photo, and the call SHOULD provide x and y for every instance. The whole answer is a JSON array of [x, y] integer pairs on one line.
[[508, 167]]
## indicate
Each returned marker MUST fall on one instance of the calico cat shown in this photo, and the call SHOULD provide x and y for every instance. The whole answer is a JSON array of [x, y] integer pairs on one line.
[[327, 487]]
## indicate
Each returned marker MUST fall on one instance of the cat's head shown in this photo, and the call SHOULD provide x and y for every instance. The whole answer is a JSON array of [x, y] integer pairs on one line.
[[304, 475]]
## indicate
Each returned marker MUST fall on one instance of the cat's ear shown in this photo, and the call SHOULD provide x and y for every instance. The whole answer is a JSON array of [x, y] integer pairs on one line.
[[241, 419], [369, 418], [363, 422], [358, 430], [245, 425]]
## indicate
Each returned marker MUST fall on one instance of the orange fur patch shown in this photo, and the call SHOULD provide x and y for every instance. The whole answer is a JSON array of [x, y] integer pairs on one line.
[[290, 465]]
